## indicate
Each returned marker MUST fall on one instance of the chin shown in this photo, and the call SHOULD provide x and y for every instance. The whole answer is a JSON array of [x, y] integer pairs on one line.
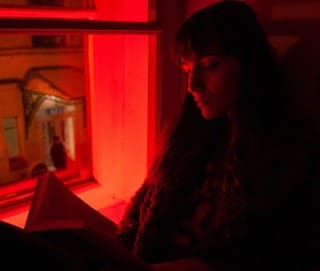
[[209, 115]]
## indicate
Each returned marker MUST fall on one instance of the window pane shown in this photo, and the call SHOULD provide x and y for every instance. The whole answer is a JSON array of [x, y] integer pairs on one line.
[[43, 85], [96, 92]]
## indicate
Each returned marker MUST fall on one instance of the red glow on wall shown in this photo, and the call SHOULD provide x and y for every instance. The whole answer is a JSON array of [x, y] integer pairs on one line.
[[119, 108], [122, 10]]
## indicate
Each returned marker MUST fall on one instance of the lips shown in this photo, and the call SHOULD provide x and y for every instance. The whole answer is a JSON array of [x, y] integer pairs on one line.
[[201, 104], [200, 101]]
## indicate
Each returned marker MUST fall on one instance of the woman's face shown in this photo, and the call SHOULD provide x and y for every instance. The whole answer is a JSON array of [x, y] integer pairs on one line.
[[213, 80]]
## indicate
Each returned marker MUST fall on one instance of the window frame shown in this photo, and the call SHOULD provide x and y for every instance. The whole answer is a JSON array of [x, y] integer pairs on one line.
[[81, 25]]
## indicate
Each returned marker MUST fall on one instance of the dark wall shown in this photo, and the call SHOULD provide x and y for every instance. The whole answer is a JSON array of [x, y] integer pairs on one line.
[[170, 15], [295, 28]]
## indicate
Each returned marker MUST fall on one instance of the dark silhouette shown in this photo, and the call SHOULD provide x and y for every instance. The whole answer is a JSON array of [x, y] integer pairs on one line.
[[234, 186], [58, 153]]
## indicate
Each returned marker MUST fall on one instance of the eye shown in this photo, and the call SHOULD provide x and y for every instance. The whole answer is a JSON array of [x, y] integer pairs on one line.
[[210, 64]]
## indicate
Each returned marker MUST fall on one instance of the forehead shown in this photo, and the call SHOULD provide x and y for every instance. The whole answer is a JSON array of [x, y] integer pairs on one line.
[[191, 52], [201, 46], [194, 58]]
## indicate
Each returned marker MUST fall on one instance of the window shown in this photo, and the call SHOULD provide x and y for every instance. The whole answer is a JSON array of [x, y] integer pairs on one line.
[[91, 80]]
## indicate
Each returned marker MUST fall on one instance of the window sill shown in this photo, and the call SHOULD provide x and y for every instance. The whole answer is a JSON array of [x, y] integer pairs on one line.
[[92, 193]]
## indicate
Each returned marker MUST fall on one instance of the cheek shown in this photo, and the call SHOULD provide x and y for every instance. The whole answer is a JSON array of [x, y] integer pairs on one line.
[[224, 87]]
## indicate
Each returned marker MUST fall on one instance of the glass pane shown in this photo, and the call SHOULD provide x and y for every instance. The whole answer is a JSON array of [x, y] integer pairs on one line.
[[75, 4], [106, 129], [43, 96]]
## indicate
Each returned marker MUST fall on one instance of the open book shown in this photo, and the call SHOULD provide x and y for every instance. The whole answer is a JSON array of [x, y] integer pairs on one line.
[[60, 216]]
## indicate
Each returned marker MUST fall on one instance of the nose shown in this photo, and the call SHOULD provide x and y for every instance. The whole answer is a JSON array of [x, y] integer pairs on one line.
[[195, 81]]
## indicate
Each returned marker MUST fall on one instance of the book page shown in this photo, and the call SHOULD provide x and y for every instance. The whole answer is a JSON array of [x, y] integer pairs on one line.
[[55, 206], [60, 216]]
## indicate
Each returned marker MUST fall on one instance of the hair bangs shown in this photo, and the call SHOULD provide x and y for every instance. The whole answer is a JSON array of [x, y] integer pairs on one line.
[[196, 38]]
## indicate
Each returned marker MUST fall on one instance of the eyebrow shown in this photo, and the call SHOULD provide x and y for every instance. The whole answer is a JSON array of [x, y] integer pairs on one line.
[[199, 59]]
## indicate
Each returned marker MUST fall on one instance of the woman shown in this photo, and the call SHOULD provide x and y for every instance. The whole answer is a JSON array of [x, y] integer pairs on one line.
[[222, 191]]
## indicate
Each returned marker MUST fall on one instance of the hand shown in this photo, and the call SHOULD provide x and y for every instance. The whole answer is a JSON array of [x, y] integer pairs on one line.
[[181, 265]]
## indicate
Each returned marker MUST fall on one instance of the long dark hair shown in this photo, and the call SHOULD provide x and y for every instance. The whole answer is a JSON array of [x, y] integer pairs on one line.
[[250, 151], [263, 107]]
